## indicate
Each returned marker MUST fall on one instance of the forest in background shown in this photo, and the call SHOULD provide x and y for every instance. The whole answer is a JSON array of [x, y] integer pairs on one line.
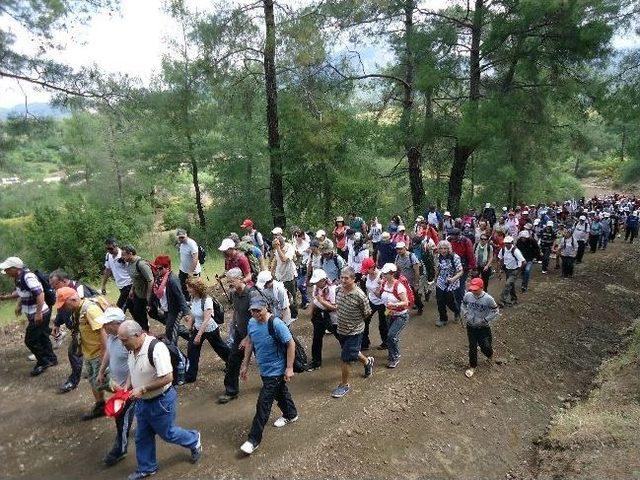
[[275, 111]]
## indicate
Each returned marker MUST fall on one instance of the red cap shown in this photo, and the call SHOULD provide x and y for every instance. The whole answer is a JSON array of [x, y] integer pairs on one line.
[[114, 406], [367, 263], [162, 261], [247, 223], [476, 284]]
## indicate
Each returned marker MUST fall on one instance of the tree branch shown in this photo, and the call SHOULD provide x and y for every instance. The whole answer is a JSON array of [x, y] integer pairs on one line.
[[370, 75]]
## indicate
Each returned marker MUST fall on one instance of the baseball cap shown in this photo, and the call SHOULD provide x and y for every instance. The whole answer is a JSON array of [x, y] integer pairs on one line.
[[447, 214], [419, 218], [367, 263], [116, 402], [508, 239], [62, 295], [525, 212], [401, 245], [257, 302], [226, 244], [11, 262], [389, 267], [476, 284], [401, 228], [487, 205], [317, 275], [339, 219], [181, 232], [549, 223], [504, 209], [582, 217], [536, 221], [277, 231], [357, 236], [111, 314], [234, 273], [321, 233], [524, 234], [247, 223], [263, 278]]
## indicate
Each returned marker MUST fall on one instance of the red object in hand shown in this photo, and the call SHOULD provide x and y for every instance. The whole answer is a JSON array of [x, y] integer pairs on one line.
[[115, 404]]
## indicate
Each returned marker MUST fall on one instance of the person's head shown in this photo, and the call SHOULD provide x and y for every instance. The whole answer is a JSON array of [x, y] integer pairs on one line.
[[582, 219], [128, 253], [549, 225], [247, 224], [444, 247], [321, 235], [368, 266], [111, 245], [339, 222], [482, 224], [319, 277], [326, 250], [67, 299], [476, 286], [432, 208], [348, 278], [181, 235], [314, 245], [197, 287], [258, 308], [235, 278], [386, 237], [264, 280], [388, 271], [162, 264], [131, 335], [58, 279], [454, 234], [401, 248], [484, 238], [447, 215], [111, 320], [12, 267], [508, 242], [228, 247]]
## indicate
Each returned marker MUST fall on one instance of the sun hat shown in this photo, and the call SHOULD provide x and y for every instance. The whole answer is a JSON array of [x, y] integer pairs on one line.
[[264, 277], [321, 233], [401, 245], [318, 274], [389, 267], [277, 231], [226, 244], [111, 314]]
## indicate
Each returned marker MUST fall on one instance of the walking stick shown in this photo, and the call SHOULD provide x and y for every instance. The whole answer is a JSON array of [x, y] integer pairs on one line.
[[224, 290]]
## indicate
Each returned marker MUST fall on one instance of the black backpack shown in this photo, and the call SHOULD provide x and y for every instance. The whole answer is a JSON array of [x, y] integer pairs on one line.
[[218, 310], [202, 254], [179, 361], [49, 292], [300, 360]]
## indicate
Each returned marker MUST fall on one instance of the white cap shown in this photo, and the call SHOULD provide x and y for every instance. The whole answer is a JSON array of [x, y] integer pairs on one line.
[[318, 274], [111, 314], [419, 218], [386, 235], [234, 272], [226, 244], [401, 245], [277, 231], [606, 214], [536, 221], [11, 262], [389, 267], [528, 226], [525, 212], [321, 233], [263, 278], [487, 205], [401, 228], [357, 236], [339, 219], [524, 234], [549, 223], [582, 217], [447, 214], [508, 239], [504, 209]]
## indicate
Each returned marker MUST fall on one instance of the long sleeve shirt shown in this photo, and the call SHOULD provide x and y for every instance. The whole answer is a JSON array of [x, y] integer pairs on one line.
[[479, 311]]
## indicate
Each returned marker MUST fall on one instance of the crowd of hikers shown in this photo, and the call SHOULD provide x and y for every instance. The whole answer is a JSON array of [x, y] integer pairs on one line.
[[346, 276]]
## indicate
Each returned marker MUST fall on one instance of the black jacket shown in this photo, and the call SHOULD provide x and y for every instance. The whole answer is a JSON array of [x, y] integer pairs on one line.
[[529, 248]]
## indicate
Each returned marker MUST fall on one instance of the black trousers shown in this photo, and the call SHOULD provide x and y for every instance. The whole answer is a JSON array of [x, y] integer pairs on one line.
[[446, 299], [581, 247], [593, 242], [138, 308], [383, 325], [567, 266], [479, 337], [321, 321], [292, 288], [273, 388], [193, 351], [234, 361], [546, 254], [37, 340], [74, 353], [484, 275], [123, 427], [123, 300], [629, 232]]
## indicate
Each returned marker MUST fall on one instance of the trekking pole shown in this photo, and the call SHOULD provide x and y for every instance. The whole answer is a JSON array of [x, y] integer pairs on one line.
[[224, 290]]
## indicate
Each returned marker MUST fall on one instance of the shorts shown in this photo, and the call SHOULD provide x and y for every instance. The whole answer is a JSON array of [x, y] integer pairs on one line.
[[92, 367], [350, 347]]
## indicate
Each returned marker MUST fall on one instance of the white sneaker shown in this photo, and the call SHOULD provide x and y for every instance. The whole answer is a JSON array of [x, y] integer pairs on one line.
[[57, 341], [248, 447], [31, 358], [281, 422]]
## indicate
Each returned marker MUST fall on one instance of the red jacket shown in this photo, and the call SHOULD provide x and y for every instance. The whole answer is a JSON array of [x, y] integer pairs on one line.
[[464, 249]]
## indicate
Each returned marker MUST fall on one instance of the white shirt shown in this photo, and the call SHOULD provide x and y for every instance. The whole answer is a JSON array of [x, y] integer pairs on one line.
[[388, 296], [328, 294], [120, 270], [143, 373], [198, 313], [286, 270], [355, 261], [278, 297], [187, 249], [372, 289], [432, 218], [376, 232], [512, 258]]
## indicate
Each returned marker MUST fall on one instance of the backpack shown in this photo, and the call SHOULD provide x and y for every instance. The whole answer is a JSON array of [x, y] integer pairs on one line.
[[254, 263], [410, 297], [202, 254], [218, 310], [179, 361], [49, 292], [336, 262], [300, 360]]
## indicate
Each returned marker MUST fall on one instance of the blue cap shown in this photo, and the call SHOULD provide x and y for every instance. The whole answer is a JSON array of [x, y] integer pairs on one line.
[[257, 302]]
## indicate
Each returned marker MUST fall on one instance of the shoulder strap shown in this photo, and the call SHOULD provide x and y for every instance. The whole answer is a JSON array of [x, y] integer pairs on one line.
[[138, 266], [152, 345], [271, 328], [202, 306]]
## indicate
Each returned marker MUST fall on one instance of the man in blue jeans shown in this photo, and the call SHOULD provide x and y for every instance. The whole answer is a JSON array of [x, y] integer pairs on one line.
[[275, 351], [150, 377]]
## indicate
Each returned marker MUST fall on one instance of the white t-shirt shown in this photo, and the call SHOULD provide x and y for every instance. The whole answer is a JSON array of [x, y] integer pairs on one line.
[[512, 258], [198, 313], [286, 271], [355, 260], [388, 296], [372, 289], [328, 293], [143, 373], [187, 249], [119, 269]]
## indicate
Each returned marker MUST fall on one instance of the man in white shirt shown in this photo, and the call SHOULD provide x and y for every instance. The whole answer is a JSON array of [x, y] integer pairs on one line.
[[285, 267], [189, 263], [324, 316], [276, 296], [116, 267], [512, 261], [150, 377]]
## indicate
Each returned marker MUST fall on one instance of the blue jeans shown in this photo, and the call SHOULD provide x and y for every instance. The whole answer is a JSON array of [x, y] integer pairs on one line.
[[526, 275], [157, 417], [301, 282], [604, 239], [396, 325]]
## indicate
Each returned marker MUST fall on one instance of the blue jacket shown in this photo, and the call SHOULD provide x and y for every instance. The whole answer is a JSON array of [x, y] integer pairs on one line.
[[386, 253]]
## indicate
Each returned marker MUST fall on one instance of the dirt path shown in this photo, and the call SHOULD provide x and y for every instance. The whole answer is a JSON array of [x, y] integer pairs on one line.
[[424, 419]]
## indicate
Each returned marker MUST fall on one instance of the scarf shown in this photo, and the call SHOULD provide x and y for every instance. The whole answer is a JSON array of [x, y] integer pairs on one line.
[[160, 284]]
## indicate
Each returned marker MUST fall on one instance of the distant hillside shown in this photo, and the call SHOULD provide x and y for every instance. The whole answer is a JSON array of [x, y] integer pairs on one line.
[[38, 109]]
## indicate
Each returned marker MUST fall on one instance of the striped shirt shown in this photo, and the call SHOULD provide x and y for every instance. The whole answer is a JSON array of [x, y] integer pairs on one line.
[[353, 307], [29, 295]]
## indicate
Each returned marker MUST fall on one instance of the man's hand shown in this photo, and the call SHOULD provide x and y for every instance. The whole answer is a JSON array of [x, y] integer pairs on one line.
[[137, 392], [288, 374], [243, 372], [197, 339], [100, 378], [38, 318]]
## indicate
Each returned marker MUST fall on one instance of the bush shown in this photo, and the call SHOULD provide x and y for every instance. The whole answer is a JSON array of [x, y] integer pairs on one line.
[[72, 237]]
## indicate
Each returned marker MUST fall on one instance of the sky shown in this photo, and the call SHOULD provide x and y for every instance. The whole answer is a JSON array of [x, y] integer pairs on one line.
[[133, 42]]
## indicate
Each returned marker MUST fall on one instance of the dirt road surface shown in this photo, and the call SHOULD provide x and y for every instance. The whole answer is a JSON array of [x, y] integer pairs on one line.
[[423, 420]]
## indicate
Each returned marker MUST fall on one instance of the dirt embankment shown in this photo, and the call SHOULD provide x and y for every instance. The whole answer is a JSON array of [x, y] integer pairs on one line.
[[422, 420]]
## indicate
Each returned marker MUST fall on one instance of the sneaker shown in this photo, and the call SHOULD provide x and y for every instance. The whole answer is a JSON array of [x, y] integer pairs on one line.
[[440, 323], [57, 341], [312, 366], [393, 363], [226, 398], [139, 475], [196, 452], [368, 368], [382, 346], [340, 391], [96, 412], [469, 372], [544, 271], [31, 358], [66, 387], [112, 458], [38, 370], [248, 447], [282, 421]]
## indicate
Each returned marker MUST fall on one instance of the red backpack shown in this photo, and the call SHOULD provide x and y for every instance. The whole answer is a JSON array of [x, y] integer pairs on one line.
[[403, 280]]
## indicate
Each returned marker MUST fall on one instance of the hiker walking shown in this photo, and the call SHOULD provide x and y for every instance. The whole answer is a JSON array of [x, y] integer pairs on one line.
[[189, 260], [394, 296], [115, 266], [581, 235], [324, 316], [568, 251], [448, 273], [511, 262], [547, 238], [373, 280], [483, 252], [285, 268], [142, 285]]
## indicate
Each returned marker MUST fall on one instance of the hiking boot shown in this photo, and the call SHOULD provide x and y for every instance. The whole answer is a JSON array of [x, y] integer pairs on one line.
[[66, 387], [419, 313], [112, 458], [139, 475], [393, 363], [282, 421], [226, 398], [96, 412], [340, 391], [38, 370], [248, 448], [196, 452], [368, 368], [440, 323]]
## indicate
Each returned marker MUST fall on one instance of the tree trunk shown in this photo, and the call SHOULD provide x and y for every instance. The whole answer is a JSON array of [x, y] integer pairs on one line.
[[116, 162], [196, 184], [276, 194], [411, 146], [462, 151]]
